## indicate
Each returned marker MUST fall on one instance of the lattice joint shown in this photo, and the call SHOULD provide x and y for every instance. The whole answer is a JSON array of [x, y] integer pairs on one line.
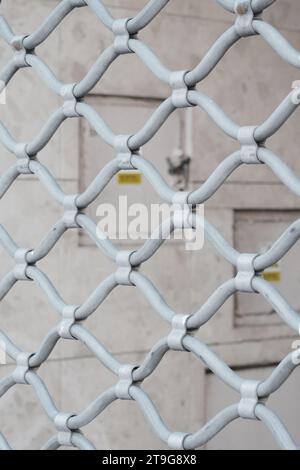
[[64, 435], [122, 36], [125, 268], [249, 146], [246, 272], [249, 399], [20, 269], [67, 322], [180, 89], [70, 101], [122, 388], [178, 333], [176, 440], [22, 368], [124, 153], [71, 211], [245, 18]]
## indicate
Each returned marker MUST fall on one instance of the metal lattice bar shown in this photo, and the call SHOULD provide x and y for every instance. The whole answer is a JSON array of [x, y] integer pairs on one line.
[[252, 405]]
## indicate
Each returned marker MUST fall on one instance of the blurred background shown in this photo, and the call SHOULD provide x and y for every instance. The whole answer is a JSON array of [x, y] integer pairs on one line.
[[251, 210]]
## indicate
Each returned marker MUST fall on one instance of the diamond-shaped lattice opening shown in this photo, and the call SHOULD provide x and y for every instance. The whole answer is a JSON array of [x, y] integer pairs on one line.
[[144, 327], [27, 197], [125, 112], [173, 398], [21, 86], [259, 230], [122, 415], [72, 32], [18, 99], [237, 435], [21, 305], [24, 423]]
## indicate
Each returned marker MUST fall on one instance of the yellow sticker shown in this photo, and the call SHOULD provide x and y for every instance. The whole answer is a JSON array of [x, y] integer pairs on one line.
[[272, 274], [129, 177]]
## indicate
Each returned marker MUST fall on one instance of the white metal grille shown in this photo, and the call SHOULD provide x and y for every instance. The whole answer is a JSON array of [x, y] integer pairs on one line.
[[254, 394]]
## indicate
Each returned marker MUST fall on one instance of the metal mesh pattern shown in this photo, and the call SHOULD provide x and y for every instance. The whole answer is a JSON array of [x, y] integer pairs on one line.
[[129, 378]]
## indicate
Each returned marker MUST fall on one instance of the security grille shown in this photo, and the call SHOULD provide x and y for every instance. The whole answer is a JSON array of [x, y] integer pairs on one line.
[[252, 139]]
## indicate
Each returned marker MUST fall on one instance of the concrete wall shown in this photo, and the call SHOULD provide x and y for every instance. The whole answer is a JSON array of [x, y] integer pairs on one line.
[[251, 210]]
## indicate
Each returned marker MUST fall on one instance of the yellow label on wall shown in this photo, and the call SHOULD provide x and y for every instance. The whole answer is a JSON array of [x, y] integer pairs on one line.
[[272, 274], [129, 177]]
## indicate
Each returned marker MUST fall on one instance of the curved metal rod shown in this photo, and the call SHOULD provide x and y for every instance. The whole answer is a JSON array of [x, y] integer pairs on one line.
[[11, 349], [97, 123], [98, 184], [45, 349], [213, 362], [279, 248], [277, 428], [90, 305], [101, 12], [280, 169], [280, 45], [93, 345], [146, 15], [8, 73], [42, 394], [48, 180], [212, 428], [278, 377], [6, 32], [93, 410], [151, 361], [5, 384], [280, 305], [7, 242], [212, 57], [8, 178], [50, 23], [46, 245], [78, 440], [95, 73], [44, 72], [151, 413], [47, 287], [100, 238], [7, 283]]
